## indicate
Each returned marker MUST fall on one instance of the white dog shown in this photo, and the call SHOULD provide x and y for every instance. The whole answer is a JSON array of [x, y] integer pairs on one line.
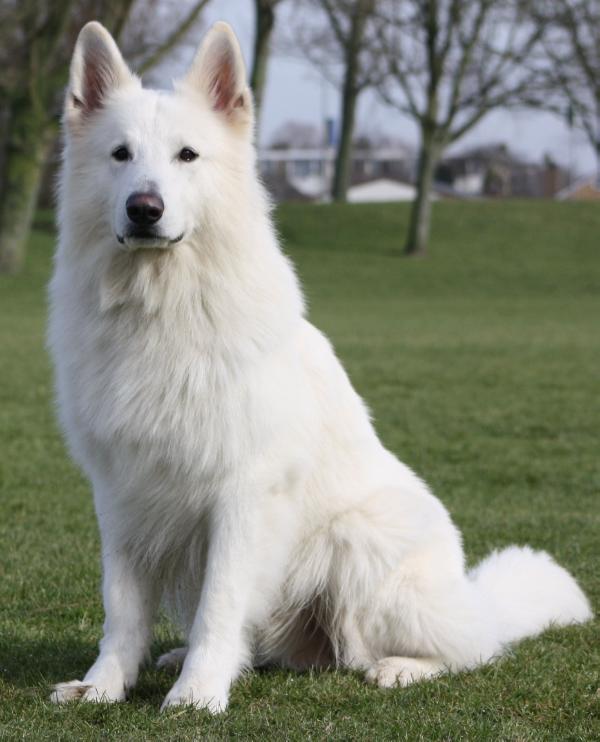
[[236, 474]]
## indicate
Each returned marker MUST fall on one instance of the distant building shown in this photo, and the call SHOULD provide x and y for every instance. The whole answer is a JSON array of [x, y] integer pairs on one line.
[[309, 172], [385, 173], [383, 190], [495, 171], [585, 189]]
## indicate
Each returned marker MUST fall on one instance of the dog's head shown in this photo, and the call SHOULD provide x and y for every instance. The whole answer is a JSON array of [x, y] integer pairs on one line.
[[150, 165]]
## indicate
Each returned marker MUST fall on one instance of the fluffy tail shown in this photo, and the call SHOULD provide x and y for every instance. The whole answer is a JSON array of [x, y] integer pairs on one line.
[[529, 592]]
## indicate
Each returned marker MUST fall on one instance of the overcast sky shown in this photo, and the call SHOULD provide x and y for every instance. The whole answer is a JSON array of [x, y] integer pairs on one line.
[[296, 91]]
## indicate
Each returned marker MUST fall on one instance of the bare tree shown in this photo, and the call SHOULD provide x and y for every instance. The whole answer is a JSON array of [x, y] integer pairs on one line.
[[264, 23], [448, 63], [341, 36], [572, 47], [37, 38]]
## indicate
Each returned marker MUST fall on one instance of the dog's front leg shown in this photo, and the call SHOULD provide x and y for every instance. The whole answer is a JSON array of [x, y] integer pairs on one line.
[[217, 646], [130, 599]]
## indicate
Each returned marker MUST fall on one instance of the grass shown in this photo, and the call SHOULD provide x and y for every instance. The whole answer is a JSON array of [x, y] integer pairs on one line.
[[481, 366]]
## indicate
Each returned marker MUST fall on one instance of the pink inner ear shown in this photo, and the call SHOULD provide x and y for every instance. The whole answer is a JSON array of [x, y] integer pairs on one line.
[[222, 88], [95, 80]]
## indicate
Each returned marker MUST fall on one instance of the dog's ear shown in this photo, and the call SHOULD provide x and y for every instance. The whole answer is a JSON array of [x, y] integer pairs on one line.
[[218, 71], [97, 68]]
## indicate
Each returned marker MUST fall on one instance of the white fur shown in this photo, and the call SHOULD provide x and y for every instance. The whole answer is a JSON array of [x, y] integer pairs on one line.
[[236, 473]]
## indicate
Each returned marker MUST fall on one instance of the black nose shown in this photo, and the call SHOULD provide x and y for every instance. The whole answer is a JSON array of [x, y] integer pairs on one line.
[[144, 208]]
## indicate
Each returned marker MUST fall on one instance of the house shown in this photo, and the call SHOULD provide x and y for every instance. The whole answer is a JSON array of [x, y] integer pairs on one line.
[[309, 172], [381, 190], [496, 171], [585, 189]]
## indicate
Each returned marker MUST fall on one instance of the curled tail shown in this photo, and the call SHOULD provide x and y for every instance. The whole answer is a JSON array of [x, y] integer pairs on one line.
[[528, 592]]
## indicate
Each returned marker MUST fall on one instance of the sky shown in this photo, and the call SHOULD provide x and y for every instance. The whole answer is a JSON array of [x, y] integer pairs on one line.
[[296, 91]]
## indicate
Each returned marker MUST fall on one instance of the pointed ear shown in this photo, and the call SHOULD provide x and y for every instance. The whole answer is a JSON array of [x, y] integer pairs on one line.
[[97, 68], [218, 72]]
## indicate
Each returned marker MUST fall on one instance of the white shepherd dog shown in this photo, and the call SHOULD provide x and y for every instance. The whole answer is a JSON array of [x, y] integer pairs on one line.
[[237, 477]]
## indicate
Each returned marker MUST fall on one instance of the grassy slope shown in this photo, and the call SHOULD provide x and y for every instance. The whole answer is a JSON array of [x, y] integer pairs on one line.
[[481, 367]]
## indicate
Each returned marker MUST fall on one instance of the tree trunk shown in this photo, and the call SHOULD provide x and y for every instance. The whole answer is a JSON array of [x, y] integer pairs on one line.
[[343, 158], [28, 141], [420, 215], [350, 91], [264, 24]]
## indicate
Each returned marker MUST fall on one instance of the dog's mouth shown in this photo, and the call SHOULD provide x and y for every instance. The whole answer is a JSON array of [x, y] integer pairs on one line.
[[147, 239]]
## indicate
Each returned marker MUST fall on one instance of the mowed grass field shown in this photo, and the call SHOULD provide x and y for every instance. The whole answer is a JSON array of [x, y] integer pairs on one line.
[[481, 365]]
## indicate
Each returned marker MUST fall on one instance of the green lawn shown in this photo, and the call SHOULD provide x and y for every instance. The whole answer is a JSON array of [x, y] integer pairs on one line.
[[481, 365]]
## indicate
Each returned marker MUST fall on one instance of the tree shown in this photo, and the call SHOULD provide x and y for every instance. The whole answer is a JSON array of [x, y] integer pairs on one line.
[[343, 38], [264, 23], [572, 47], [447, 64], [37, 40]]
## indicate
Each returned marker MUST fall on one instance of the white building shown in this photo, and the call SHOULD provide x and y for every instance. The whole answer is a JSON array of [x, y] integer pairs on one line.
[[310, 171], [381, 190]]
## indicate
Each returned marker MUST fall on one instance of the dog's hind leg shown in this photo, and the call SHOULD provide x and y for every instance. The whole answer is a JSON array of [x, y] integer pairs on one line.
[[422, 625], [172, 660], [404, 607], [402, 671]]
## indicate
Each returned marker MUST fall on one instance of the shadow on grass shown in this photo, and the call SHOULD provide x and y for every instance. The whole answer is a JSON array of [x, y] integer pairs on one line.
[[29, 661], [34, 665], [37, 664]]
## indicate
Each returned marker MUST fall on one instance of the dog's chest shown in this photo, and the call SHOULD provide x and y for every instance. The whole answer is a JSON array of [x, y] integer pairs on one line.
[[165, 394]]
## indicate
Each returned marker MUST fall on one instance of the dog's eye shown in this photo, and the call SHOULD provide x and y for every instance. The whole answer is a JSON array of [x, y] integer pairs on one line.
[[187, 155], [120, 154]]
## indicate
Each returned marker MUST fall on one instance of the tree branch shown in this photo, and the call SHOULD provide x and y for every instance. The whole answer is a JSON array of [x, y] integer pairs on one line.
[[173, 39]]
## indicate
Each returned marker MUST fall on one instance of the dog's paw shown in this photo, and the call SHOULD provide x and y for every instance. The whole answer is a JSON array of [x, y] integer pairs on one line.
[[71, 691], [393, 672], [172, 660], [77, 690], [196, 695]]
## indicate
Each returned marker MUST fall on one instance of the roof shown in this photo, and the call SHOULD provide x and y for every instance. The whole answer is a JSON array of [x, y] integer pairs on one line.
[[584, 189], [496, 152], [381, 190], [321, 153]]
